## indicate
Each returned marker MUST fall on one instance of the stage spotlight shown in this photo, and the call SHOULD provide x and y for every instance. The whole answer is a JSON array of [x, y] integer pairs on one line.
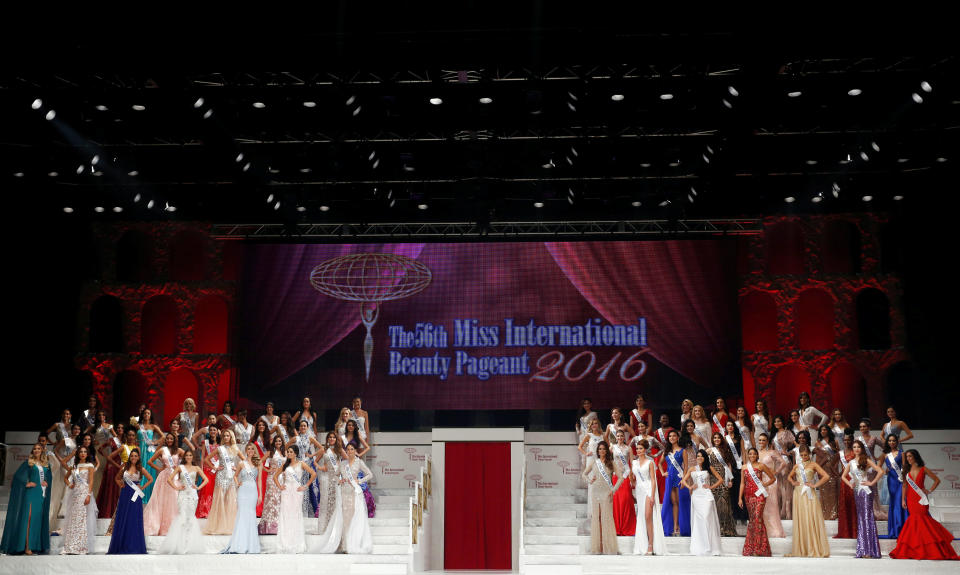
[[569, 200], [324, 208], [847, 160], [101, 107], [95, 160], [246, 167], [617, 97], [239, 158], [574, 151], [835, 190], [276, 206], [68, 209], [864, 157], [674, 164], [645, 164], [422, 206], [549, 165], [37, 104], [436, 101], [693, 190], [351, 100], [709, 149], [301, 209], [18, 174], [98, 174], [867, 198], [259, 105], [171, 208], [80, 169], [538, 204], [139, 107], [854, 92], [817, 199], [486, 100], [51, 115], [133, 173], [926, 87], [136, 199], [117, 209], [372, 155], [356, 111], [794, 94], [789, 199], [733, 91], [376, 163], [309, 104], [875, 146], [690, 198], [636, 203], [273, 170], [270, 198], [198, 103], [941, 160], [664, 203], [727, 104], [207, 114], [306, 170], [706, 158], [903, 160], [53, 174], [811, 162], [666, 96], [917, 98], [897, 198], [98, 209], [150, 205]]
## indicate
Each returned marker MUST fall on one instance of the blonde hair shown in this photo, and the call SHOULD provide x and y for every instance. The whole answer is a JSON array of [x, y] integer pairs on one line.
[[233, 440], [255, 458], [685, 402], [702, 410], [43, 457], [191, 402], [342, 411]]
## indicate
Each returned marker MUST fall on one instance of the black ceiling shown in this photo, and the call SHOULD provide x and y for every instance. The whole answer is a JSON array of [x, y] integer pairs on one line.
[[371, 147]]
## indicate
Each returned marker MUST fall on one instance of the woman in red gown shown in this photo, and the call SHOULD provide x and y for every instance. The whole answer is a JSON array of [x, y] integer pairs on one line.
[[261, 439], [624, 505], [660, 435], [753, 497], [719, 417], [922, 537], [640, 413], [846, 506], [206, 494]]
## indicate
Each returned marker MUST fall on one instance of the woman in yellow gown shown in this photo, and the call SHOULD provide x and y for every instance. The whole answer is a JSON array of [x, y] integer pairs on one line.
[[809, 530]]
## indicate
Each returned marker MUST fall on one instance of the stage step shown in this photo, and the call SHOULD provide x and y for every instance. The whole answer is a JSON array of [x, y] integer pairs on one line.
[[391, 552]]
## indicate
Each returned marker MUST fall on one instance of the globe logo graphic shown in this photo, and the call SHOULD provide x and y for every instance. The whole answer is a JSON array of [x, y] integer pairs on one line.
[[369, 280]]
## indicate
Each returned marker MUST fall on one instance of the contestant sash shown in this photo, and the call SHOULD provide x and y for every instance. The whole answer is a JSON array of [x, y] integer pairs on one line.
[[183, 471], [674, 463], [663, 437], [62, 428], [858, 475], [720, 427], [761, 425], [806, 488], [332, 458], [733, 450], [136, 488], [916, 488], [636, 414], [227, 460], [620, 456], [838, 434], [727, 473], [602, 469], [43, 490], [745, 434], [167, 458], [229, 420], [779, 447], [761, 490], [826, 445], [892, 462]]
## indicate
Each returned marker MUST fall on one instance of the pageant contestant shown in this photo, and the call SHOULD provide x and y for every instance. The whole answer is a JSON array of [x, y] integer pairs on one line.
[[149, 437], [307, 446], [656, 446], [704, 525], [88, 418], [810, 416], [356, 526], [640, 413], [846, 503], [855, 475], [921, 537], [739, 453], [270, 418], [745, 429], [893, 463], [341, 425], [110, 489], [180, 439], [658, 450], [261, 441], [351, 436], [226, 420], [686, 411], [210, 447], [271, 500], [624, 507], [80, 525], [223, 506], [63, 453], [703, 427], [649, 538], [64, 444], [588, 451], [330, 507], [796, 424], [616, 423], [675, 512], [719, 417], [896, 426], [358, 414], [761, 419], [290, 533], [827, 455], [27, 526], [105, 440], [127, 537], [245, 538], [771, 509], [242, 429], [162, 508], [721, 462], [809, 530], [184, 535], [306, 414], [838, 424], [756, 478], [189, 420], [584, 416], [603, 533], [872, 442], [690, 434], [783, 443]]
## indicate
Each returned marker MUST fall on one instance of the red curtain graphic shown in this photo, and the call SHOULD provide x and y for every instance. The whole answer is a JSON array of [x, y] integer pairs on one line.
[[477, 521]]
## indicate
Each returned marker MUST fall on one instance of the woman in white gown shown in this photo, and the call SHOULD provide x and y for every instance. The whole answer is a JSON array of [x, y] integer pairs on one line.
[[588, 451], [330, 508], [356, 526], [185, 535], [704, 522], [80, 525], [290, 535], [648, 505]]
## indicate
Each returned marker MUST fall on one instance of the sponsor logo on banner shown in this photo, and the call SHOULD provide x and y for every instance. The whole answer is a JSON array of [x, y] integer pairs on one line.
[[411, 480], [951, 452], [569, 469], [538, 455], [413, 455], [953, 480]]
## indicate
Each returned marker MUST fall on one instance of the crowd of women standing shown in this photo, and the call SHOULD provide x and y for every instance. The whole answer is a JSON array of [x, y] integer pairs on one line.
[[268, 477], [700, 479]]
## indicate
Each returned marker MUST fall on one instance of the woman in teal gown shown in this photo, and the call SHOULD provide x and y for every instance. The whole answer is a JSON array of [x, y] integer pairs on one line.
[[149, 435], [27, 528]]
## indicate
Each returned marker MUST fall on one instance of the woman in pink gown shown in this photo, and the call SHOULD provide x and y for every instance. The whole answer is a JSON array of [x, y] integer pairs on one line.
[[771, 510], [159, 513]]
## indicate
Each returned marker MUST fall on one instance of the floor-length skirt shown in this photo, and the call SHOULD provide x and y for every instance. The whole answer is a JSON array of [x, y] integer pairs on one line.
[[162, 507], [205, 495], [683, 507], [624, 510], [771, 511], [603, 530], [368, 496], [290, 534], [756, 544], [271, 509], [846, 514], [127, 537], [357, 538], [108, 495], [829, 496], [640, 541], [57, 488], [223, 506], [868, 544], [80, 525], [184, 535], [896, 513], [739, 513], [329, 524], [785, 493], [245, 538], [809, 530], [721, 497], [313, 493], [704, 524]]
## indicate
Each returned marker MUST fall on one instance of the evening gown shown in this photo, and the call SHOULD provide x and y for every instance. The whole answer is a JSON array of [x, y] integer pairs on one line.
[[184, 535], [127, 537], [591, 448], [80, 525], [756, 544], [809, 530], [868, 544], [783, 443], [109, 493], [223, 506], [846, 507], [245, 538], [674, 475], [829, 460], [922, 537], [646, 489], [290, 534], [624, 507], [896, 514], [330, 509], [162, 508], [102, 441], [271, 498], [771, 510], [205, 495], [704, 523], [146, 440], [356, 524], [28, 509], [603, 531], [721, 496], [305, 447]]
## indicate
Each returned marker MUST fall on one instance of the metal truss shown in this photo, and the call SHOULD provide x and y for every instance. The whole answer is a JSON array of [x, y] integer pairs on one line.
[[504, 230]]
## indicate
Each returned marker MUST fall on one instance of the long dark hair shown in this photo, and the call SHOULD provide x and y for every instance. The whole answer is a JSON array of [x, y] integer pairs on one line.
[[608, 460], [886, 443], [724, 448], [862, 460], [91, 449], [296, 454], [831, 440], [273, 444], [87, 459], [773, 422], [705, 466], [126, 466], [800, 404], [906, 464], [258, 435], [581, 412]]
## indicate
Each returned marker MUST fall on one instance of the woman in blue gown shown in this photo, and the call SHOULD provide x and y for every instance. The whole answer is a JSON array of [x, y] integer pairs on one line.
[[27, 528], [673, 466], [149, 436], [245, 538], [127, 535], [893, 461]]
